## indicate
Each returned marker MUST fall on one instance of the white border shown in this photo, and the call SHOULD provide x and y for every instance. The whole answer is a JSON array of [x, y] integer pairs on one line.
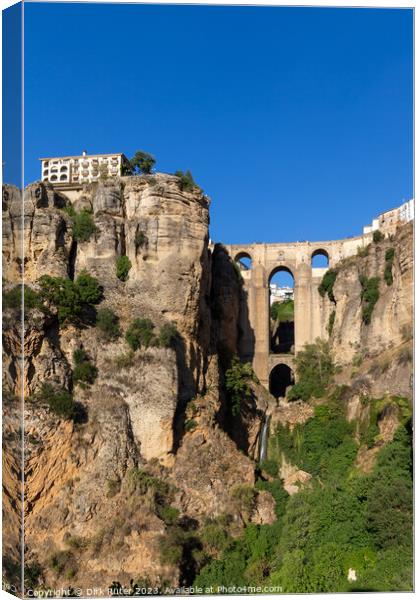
[[320, 3]]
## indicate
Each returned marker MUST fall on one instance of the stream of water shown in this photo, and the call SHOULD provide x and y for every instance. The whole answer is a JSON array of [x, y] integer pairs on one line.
[[264, 438]]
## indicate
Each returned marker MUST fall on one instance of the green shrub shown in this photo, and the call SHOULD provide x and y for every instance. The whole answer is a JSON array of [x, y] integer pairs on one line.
[[378, 236], [168, 334], [238, 273], [83, 224], [88, 288], [327, 284], [142, 482], [185, 180], [59, 401], [108, 323], [270, 466], [389, 259], [140, 334], [190, 425], [13, 298], [61, 561], [33, 574], [168, 514], [357, 360], [70, 297], [331, 321], [238, 377], [140, 239], [142, 162], [314, 369], [171, 546], [369, 296], [84, 373], [389, 254], [215, 538], [123, 266], [369, 434], [77, 542]]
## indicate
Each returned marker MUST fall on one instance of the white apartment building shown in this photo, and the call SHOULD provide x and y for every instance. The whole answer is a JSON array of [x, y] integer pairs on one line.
[[387, 222], [77, 170], [280, 294], [407, 211]]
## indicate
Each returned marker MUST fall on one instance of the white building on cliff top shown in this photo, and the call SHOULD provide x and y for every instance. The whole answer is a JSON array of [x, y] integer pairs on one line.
[[77, 170], [387, 222]]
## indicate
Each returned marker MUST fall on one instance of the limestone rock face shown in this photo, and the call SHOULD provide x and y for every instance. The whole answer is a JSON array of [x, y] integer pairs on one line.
[[132, 418], [40, 228], [293, 477], [291, 413], [392, 316]]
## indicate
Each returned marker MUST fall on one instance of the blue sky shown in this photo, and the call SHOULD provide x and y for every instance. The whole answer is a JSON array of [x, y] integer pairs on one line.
[[297, 122]]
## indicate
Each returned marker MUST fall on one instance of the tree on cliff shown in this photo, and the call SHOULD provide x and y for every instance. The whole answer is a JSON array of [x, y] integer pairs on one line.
[[142, 162]]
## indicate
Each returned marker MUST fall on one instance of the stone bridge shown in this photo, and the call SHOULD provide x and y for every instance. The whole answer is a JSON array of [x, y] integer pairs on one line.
[[311, 311]]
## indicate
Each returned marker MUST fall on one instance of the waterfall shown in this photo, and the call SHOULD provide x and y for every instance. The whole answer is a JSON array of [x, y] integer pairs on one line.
[[263, 439]]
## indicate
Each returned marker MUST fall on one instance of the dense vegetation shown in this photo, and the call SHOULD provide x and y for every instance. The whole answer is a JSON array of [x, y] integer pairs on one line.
[[140, 239], [13, 298], [343, 520], [142, 162], [83, 224], [185, 181], [314, 370], [140, 334], [378, 236], [331, 321], [71, 298], [84, 372], [123, 266], [327, 284], [238, 378], [58, 400], [389, 259], [282, 311], [369, 296], [107, 322]]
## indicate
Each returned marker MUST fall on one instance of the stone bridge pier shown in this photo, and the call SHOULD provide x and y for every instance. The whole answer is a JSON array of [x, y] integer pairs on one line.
[[311, 311]]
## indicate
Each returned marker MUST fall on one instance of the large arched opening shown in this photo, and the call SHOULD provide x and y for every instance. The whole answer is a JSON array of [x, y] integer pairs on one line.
[[244, 261], [281, 378], [320, 259], [282, 308]]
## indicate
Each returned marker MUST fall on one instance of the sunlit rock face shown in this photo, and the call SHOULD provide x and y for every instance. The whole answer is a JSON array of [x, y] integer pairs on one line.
[[79, 474]]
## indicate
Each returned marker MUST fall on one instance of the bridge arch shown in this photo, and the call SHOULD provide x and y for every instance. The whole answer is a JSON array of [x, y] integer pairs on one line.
[[281, 378], [281, 310], [244, 261], [320, 259]]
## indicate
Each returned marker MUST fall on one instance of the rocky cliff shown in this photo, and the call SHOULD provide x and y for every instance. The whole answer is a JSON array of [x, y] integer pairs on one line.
[[151, 434], [376, 348]]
